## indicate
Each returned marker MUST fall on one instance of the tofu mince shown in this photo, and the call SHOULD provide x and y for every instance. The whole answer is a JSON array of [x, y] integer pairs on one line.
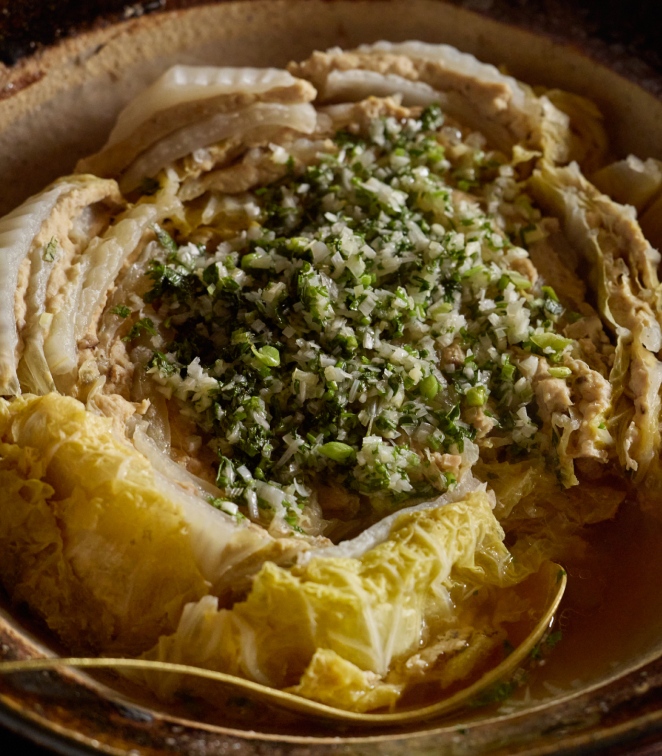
[[291, 359]]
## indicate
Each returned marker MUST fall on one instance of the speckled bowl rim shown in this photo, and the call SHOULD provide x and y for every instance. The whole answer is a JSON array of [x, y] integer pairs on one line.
[[616, 710]]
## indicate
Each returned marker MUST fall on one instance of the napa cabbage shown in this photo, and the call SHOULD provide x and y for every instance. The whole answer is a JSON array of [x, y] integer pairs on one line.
[[431, 602], [190, 107], [215, 128], [631, 181], [20, 238], [622, 270], [355, 85], [82, 527], [588, 143], [476, 93], [101, 546], [83, 210], [621, 265], [638, 183], [182, 84]]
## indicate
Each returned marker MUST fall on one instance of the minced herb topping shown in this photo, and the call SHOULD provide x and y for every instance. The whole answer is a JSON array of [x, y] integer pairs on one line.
[[367, 321]]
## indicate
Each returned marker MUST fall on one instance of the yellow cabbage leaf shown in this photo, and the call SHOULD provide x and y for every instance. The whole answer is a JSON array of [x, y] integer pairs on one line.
[[440, 582], [588, 138], [334, 681], [86, 539], [631, 181]]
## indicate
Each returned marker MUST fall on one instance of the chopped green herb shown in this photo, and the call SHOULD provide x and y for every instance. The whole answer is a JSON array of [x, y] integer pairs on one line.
[[268, 355], [338, 451], [50, 250], [550, 343], [432, 118], [518, 280], [497, 694], [161, 363], [549, 292], [429, 387], [292, 520], [144, 324], [553, 639], [149, 186], [540, 650], [165, 240], [122, 310], [476, 396]]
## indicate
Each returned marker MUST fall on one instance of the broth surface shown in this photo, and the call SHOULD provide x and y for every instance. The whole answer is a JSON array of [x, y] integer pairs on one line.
[[611, 614]]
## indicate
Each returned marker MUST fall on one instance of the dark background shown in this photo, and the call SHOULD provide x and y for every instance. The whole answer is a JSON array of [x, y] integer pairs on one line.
[[624, 28], [626, 24]]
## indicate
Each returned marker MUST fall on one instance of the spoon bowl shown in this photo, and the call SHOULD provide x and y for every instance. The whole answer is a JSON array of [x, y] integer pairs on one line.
[[292, 702]]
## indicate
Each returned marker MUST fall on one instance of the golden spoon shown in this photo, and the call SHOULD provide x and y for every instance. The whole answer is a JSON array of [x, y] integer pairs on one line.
[[293, 702]]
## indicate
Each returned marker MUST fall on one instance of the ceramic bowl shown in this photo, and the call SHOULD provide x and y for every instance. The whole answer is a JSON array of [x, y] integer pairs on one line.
[[58, 106]]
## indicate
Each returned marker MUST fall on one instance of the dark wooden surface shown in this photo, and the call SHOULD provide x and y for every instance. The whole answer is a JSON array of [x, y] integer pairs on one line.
[[628, 24], [623, 24]]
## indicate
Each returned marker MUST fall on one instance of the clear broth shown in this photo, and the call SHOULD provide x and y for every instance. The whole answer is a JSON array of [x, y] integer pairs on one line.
[[611, 613]]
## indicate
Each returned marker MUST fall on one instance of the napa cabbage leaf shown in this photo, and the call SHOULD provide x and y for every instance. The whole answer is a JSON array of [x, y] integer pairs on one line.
[[353, 632], [631, 181], [622, 271], [478, 94], [99, 544], [190, 107]]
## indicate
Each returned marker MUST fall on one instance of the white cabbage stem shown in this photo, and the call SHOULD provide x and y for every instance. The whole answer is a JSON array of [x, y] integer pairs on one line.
[[300, 117], [92, 276], [463, 64], [162, 462], [51, 250], [351, 86], [60, 346], [33, 368], [181, 84], [17, 232], [103, 263]]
